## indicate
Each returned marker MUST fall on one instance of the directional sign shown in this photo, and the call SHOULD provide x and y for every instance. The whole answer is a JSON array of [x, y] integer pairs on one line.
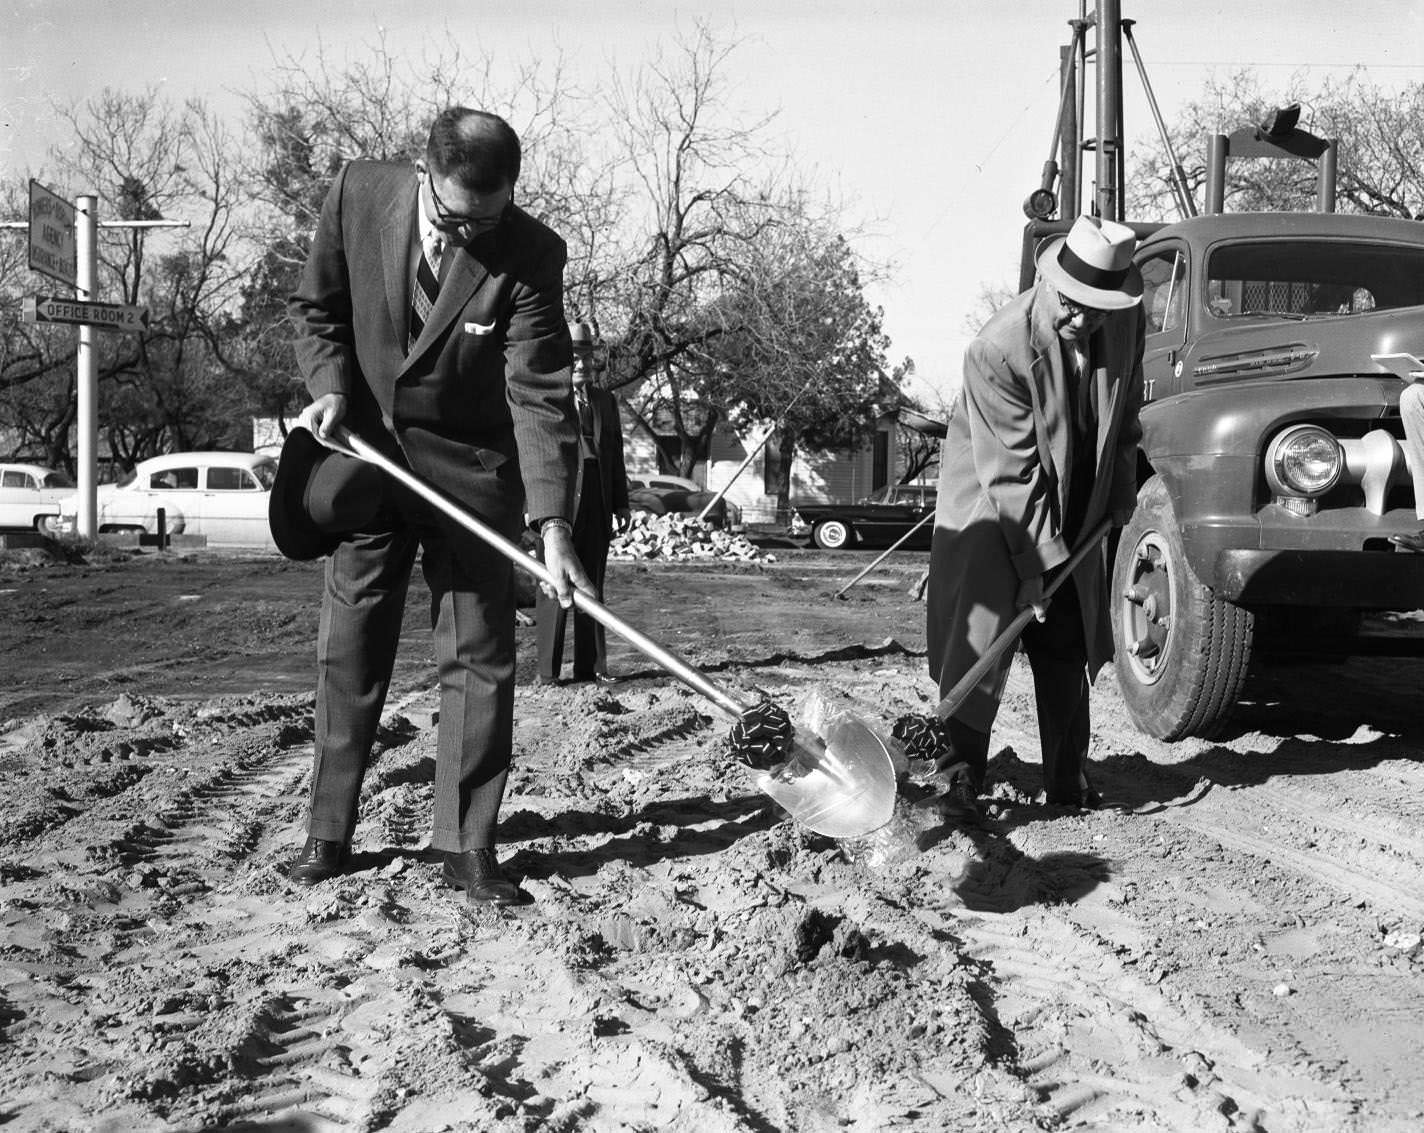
[[104, 316], [52, 249]]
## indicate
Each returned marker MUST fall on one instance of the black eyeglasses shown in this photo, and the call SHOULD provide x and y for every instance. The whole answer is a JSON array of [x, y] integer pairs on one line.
[[444, 218], [1073, 309]]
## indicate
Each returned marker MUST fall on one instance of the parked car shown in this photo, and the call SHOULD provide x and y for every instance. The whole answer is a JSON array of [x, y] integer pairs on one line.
[[220, 495], [1271, 473], [878, 520], [660, 493], [30, 495]]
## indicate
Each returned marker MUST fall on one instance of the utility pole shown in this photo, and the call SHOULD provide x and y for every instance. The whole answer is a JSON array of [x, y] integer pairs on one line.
[[76, 262]]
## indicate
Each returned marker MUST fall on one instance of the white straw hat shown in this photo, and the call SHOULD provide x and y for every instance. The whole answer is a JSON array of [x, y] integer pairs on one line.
[[1093, 265]]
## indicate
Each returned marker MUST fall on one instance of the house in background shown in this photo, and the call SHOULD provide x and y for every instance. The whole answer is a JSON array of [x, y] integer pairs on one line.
[[893, 450]]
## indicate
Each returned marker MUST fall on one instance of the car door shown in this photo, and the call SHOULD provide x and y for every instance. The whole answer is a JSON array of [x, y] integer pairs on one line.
[[16, 489], [234, 511], [1165, 281], [174, 490]]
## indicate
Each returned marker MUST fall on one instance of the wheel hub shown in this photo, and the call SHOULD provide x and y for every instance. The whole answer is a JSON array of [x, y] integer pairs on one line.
[[1147, 609]]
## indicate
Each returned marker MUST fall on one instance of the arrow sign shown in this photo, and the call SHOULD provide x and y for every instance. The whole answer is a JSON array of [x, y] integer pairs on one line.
[[103, 316]]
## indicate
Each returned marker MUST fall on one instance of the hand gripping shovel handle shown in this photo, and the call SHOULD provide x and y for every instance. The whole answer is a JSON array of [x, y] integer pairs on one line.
[[957, 695], [345, 441]]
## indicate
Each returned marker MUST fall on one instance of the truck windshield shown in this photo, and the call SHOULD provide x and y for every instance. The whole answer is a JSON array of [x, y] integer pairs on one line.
[[1305, 278]]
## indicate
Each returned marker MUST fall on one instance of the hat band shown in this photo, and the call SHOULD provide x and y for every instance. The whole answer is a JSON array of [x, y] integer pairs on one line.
[[1087, 274]]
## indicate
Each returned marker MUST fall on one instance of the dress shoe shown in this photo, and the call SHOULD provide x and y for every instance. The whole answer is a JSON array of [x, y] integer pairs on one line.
[[319, 860], [597, 678], [1413, 542], [1086, 797], [477, 872]]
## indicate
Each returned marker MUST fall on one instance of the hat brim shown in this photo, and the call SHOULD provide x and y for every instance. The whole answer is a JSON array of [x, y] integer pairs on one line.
[[295, 534], [1128, 295]]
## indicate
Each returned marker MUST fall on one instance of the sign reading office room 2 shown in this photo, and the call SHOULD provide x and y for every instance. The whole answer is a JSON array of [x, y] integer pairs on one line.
[[52, 247], [103, 316]]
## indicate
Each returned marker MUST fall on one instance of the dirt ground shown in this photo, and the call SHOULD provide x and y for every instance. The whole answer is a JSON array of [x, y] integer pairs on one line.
[[1234, 946]]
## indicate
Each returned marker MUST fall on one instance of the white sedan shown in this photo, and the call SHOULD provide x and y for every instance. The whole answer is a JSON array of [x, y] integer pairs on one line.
[[30, 496], [220, 495]]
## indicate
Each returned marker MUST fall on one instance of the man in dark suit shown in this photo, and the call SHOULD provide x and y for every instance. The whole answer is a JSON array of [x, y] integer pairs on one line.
[[603, 494], [1041, 447], [430, 321]]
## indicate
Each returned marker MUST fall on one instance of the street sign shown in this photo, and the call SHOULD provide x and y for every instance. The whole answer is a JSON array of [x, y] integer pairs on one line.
[[103, 316], [52, 249]]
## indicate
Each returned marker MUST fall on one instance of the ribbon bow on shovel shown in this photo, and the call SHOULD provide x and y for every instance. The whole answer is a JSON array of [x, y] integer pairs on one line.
[[843, 789], [965, 685]]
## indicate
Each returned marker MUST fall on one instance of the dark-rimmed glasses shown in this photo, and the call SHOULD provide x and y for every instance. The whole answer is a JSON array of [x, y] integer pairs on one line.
[[1072, 308], [444, 218]]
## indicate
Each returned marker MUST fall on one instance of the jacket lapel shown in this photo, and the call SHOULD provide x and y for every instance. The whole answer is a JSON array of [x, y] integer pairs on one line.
[[1052, 409], [397, 239], [462, 280]]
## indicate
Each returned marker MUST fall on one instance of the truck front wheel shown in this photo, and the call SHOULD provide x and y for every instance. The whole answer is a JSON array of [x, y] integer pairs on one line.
[[1182, 653]]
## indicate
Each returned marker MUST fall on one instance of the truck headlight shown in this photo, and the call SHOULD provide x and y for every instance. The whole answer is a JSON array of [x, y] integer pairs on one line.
[[1304, 460]]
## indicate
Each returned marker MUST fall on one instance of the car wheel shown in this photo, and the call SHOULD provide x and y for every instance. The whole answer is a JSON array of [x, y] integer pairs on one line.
[[833, 535], [1182, 653], [47, 525]]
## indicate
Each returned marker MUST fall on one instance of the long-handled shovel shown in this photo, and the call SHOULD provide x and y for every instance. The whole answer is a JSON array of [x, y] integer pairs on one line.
[[843, 790], [965, 685]]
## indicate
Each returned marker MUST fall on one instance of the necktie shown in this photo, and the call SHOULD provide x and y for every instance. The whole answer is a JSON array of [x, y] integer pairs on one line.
[[427, 284], [585, 413]]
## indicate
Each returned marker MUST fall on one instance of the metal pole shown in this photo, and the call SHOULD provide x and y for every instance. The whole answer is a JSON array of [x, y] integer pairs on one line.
[[1109, 62], [1069, 148], [1325, 191], [1185, 205], [1216, 174], [895, 546], [722, 491], [86, 244]]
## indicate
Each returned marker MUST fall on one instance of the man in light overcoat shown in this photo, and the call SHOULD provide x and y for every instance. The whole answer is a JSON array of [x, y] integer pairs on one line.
[[1041, 448]]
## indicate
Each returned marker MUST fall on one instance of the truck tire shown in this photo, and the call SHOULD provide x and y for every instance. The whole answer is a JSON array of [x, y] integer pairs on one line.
[[1182, 653], [833, 535]]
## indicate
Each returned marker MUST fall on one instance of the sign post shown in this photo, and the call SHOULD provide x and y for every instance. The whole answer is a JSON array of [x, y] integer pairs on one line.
[[64, 245], [86, 231]]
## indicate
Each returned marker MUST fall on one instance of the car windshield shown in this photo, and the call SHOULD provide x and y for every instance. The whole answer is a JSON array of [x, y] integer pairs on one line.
[[266, 473], [127, 478], [56, 480], [1311, 278]]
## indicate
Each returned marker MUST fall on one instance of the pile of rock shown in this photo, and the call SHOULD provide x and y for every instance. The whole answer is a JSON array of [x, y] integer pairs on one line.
[[676, 537]]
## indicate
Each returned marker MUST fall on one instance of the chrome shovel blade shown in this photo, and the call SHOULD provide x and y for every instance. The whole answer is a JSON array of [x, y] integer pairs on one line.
[[844, 791]]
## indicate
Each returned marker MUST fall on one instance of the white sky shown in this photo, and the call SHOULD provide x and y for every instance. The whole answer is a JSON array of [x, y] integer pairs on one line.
[[931, 119]]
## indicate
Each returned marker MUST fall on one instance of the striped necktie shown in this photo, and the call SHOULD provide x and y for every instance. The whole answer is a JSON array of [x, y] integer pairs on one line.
[[427, 284]]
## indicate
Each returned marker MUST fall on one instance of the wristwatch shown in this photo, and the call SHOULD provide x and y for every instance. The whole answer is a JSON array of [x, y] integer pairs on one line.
[[555, 521]]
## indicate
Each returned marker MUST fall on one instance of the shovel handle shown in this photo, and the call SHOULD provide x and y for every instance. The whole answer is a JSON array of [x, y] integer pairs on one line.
[[957, 695], [344, 441]]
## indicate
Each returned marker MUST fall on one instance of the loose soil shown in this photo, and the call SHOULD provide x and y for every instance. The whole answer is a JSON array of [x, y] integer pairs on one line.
[[1235, 945]]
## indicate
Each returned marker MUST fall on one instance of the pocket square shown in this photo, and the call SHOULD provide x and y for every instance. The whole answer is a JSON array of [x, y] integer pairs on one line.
[[478, 328]]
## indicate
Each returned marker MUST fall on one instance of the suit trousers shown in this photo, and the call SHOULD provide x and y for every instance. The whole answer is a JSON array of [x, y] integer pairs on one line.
[[1058, 659], [472, 616], [592, 525]]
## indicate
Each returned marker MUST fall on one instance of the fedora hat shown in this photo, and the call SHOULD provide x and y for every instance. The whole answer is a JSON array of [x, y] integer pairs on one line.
[[318, 496], [1093, 265], [582, 335]]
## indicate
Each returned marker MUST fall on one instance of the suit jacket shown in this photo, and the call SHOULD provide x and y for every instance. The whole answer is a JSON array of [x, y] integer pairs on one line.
[[1006, 464], [608, 448], [487, 383]]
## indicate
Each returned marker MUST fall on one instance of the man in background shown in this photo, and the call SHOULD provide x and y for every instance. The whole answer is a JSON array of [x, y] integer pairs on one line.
[[602, 496]]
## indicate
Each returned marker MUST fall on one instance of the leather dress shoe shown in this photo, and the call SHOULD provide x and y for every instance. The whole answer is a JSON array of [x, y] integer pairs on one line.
[[319, 860], [477, 872], [1086, 797], [1413, 542], [597, 678]]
